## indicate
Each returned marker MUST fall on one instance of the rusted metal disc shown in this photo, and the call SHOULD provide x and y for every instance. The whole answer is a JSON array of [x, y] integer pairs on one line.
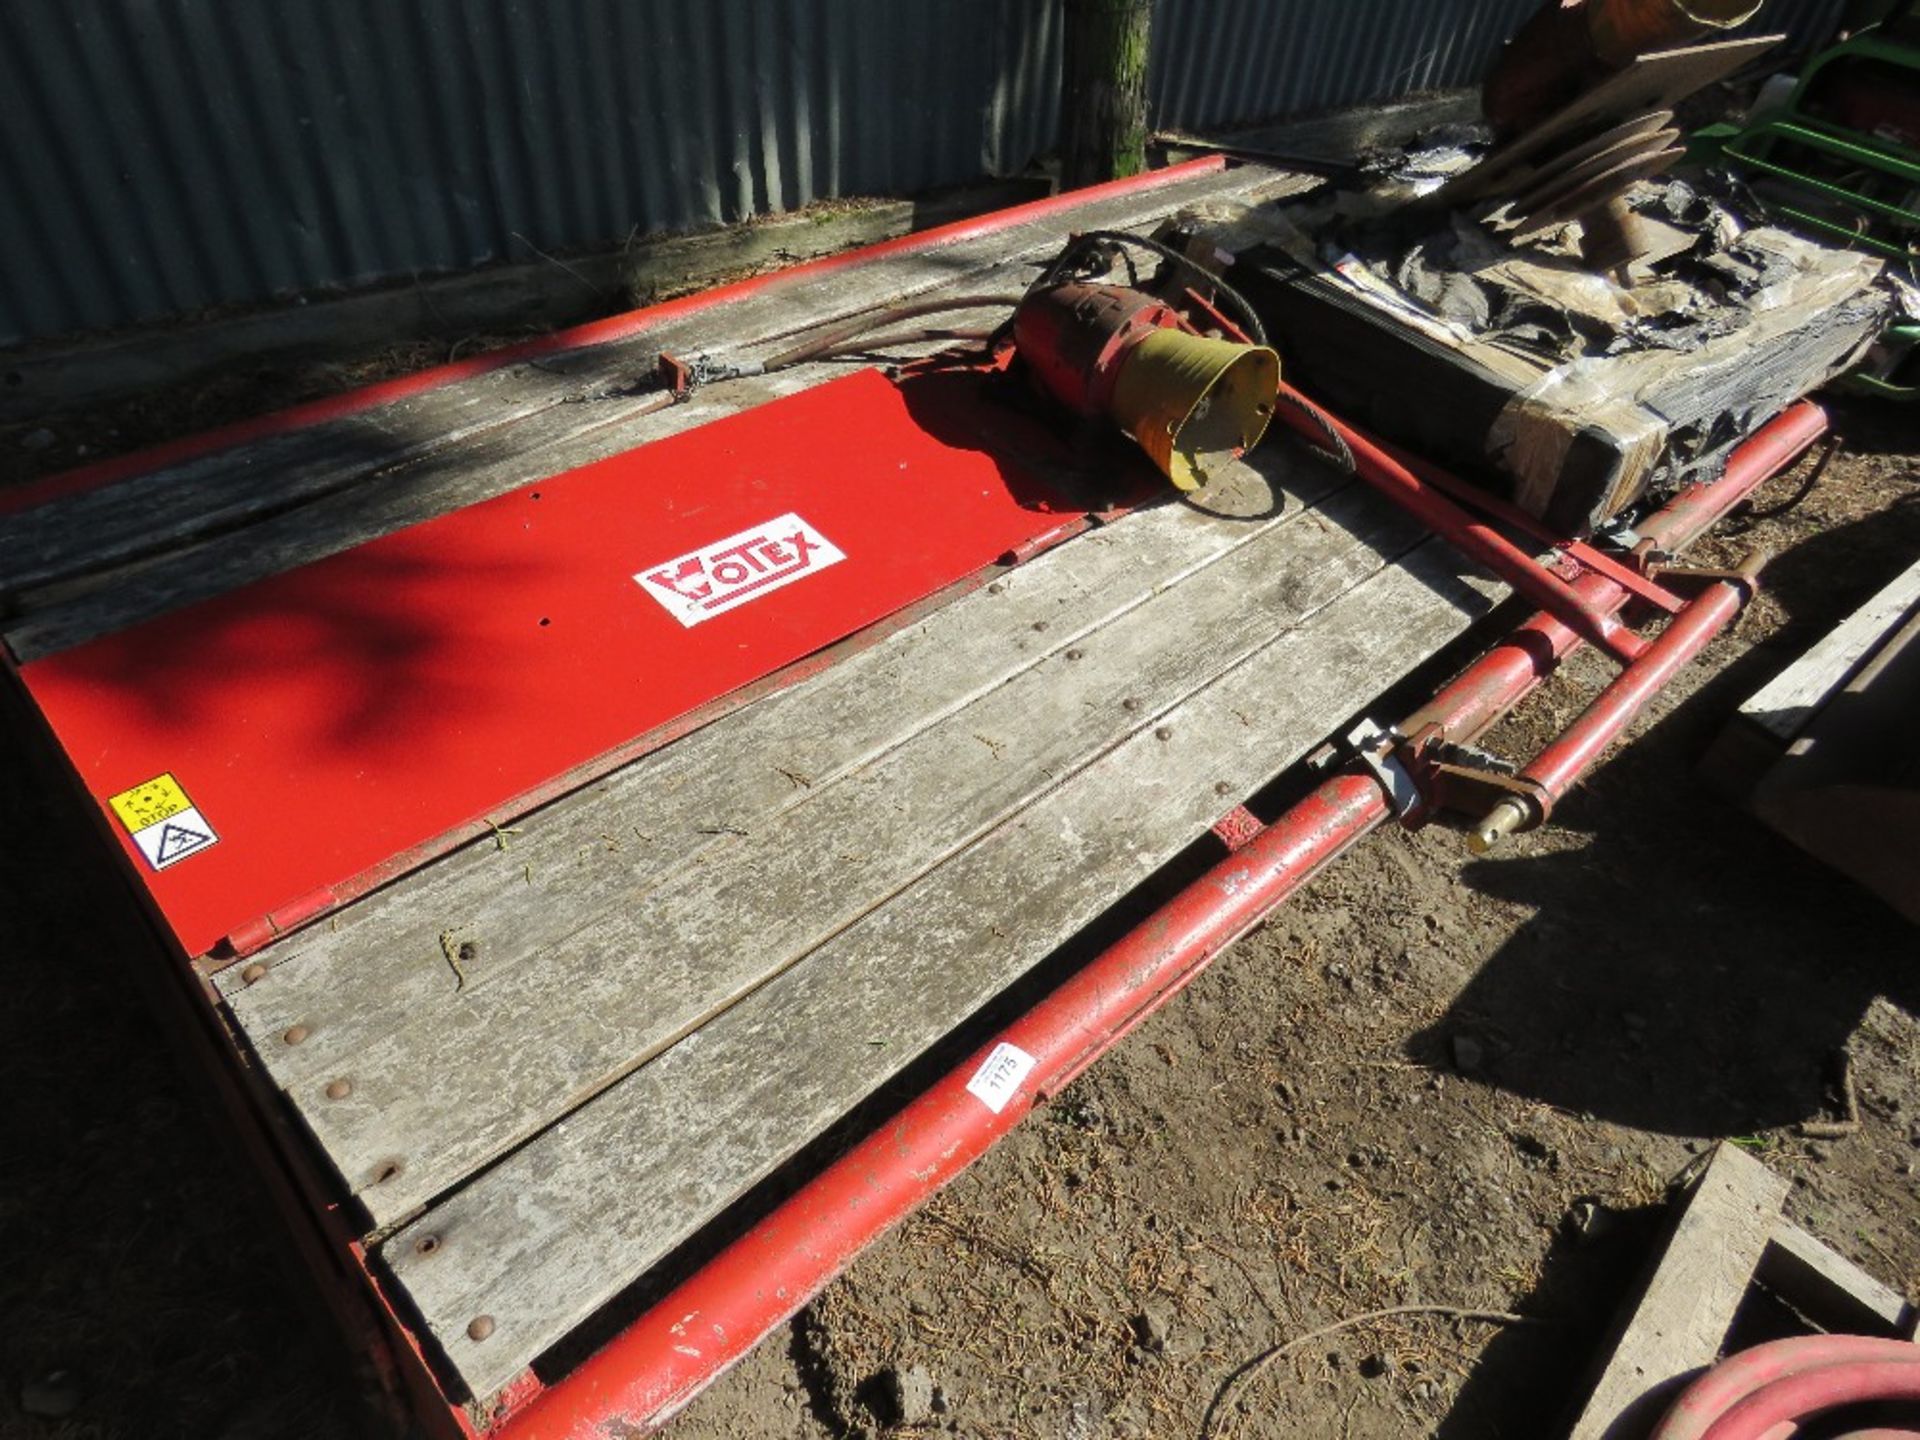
[[1597, 191], [1578, 154], [1566, 180]]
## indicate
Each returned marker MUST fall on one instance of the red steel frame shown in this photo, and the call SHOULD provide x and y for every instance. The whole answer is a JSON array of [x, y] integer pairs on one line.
[[660, 1362], [646, 1374]]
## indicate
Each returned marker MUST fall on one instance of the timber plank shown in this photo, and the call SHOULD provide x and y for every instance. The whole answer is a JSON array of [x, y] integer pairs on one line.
[[491, 300], [429, 460], [1828, 1289], [379, 960], [1680, 1324], [559, 1226], [646, 972], [151, 513], [1785, 704]]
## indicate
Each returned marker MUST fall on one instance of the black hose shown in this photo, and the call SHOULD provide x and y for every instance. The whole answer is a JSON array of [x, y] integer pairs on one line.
[[1802, 491], [1060, 264], [1336, 449]]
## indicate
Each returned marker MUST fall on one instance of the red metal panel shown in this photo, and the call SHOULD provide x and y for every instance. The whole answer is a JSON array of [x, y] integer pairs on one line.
[[330, 717]]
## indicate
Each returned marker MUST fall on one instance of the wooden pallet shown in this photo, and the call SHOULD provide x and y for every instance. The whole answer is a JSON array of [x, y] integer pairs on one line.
[[1729, 1245], [1824, 752]]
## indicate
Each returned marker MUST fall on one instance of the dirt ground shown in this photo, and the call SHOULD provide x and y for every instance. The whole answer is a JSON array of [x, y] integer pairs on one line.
[[1429, 1079]]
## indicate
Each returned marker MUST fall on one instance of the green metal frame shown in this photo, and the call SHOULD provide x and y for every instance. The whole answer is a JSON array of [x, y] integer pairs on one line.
[[1905, 342], [1754, 148]]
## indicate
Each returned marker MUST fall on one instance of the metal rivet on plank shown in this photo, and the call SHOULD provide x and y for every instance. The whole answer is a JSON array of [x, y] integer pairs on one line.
[[1223, 788], [426, 1245], [1073, 654], [480, 1327], [295, 1034], [996, 588], [1165, 732], [253, 972], [339, 1089], [1130, 703], [1039, 624]]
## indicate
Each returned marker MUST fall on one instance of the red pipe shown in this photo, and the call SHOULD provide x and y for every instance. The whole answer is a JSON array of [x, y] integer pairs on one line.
[[1567, 757], [1528, 655], [1470, 533], [645, 1374]]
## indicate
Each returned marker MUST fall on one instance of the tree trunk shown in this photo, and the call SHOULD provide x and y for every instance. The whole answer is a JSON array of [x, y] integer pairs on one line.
[[1103, 118]]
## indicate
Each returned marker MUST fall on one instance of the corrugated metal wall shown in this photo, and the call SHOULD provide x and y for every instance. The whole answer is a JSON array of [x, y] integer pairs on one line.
[[161, 156]]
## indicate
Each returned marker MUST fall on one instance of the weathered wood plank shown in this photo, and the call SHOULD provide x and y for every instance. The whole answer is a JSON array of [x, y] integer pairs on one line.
[[642, 974], [1829, 1289], [1681, 1322], [542, 1238], [152, 513], [1789, 700], [93, 532], [378, 961], [497, 299]]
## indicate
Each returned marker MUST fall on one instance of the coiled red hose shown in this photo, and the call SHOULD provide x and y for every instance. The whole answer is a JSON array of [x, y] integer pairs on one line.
[[1764, 1393]]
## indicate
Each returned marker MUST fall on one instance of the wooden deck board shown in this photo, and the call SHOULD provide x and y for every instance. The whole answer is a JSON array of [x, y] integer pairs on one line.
[[95, 562], [377, 961], [559, 1226], [1791, 698], [656, 961], [146, 514]]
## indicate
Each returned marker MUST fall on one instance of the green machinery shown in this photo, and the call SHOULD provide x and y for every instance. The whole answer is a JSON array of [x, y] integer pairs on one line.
[[1843, 156], [1842, 159]]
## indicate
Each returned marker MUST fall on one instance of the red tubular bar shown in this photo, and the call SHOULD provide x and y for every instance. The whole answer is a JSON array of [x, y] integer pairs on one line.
[[644, 1375], [1527, 655], [1474, 536], [1567, 757]]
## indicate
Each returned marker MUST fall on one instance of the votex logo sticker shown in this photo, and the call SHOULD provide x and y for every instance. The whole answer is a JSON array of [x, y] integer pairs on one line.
[[715, 578]]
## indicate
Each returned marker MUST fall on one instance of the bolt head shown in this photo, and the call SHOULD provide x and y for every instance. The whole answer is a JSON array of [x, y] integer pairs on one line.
[[295, 1034], [253, 972], [480, 1327], [339, 1089]]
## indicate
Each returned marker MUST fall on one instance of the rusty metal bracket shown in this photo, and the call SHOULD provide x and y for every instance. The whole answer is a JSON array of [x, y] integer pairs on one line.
[[1468, 780], [1744, 575], [677, 377], [1378, 750]]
